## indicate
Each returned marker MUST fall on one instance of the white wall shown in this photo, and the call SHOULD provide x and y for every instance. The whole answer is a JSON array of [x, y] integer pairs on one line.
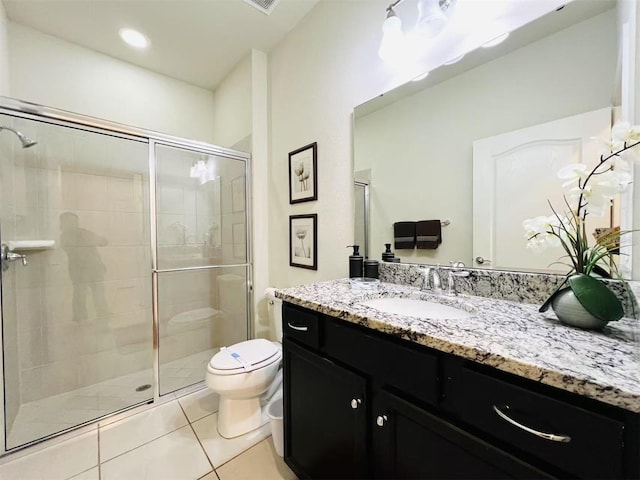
[[260, 188], [56, 73], [232, 105], [4, 53], [419, 148], [241, 122], [325, 66]]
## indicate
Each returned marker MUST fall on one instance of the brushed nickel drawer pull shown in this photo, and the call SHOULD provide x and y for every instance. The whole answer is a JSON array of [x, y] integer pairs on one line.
[[300, 329], [547, 436]]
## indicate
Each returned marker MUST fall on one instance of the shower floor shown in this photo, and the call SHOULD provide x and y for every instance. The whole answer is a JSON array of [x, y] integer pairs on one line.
[[53, 414]]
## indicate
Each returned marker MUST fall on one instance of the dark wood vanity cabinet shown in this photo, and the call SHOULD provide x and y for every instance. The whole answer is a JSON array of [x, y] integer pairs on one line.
[[326, 411], [361, 404], [410, 442]]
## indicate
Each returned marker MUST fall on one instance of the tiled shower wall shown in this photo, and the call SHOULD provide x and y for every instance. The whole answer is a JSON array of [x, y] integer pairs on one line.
[[51, 344], [101, 259], [200, 309]]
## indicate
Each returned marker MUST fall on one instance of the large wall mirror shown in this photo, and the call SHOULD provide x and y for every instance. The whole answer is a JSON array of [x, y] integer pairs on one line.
[[421, 146]]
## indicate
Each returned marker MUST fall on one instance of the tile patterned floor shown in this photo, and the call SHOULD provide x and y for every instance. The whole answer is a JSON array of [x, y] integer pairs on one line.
[[177, 440], [60, 412]]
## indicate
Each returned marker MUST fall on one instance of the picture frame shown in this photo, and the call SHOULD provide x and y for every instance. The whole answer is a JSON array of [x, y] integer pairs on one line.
[[239, 239], [303, 241], [237, 194], [303, 174]]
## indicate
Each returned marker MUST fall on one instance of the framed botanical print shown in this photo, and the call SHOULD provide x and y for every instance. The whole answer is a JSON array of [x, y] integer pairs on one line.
[[303, 174], [303, 241]]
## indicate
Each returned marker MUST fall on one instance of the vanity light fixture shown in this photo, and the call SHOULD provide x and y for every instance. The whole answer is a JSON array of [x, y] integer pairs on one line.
[[204, 170], [134, 38], [431, 21], [391, 35], [422, 76], [496, 41], [454, 60]]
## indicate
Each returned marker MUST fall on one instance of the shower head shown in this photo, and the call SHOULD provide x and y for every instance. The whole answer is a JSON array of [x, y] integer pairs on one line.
[[24, 140]]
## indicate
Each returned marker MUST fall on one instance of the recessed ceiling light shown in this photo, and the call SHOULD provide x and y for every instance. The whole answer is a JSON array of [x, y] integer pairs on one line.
[[134, 38]]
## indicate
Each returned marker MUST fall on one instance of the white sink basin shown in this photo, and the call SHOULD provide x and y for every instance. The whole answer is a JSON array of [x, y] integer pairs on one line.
[[416, 308]]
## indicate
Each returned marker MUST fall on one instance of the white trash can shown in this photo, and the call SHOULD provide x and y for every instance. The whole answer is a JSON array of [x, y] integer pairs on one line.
[[275, 412]]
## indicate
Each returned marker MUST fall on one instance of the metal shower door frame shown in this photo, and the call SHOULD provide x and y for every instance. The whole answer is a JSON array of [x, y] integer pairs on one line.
[[62, 118]]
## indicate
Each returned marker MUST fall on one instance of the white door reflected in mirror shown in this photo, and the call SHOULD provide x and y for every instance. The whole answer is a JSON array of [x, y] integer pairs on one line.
[[515, 176]]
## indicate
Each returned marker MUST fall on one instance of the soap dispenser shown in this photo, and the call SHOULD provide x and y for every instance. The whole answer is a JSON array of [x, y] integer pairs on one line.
[[356, 262], [387, 255]]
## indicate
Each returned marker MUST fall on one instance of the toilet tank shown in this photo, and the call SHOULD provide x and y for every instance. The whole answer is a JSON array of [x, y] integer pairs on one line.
[[275, 314]]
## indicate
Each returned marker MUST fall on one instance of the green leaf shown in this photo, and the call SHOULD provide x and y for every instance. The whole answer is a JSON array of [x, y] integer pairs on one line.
[[596, 298], [561, 288]]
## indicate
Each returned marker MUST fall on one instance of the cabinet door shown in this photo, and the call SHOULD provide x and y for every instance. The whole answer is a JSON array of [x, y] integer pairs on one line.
[[409, 442], [324, 416]]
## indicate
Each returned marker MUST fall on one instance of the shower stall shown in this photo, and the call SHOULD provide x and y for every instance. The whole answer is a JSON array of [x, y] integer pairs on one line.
[[125, 266]]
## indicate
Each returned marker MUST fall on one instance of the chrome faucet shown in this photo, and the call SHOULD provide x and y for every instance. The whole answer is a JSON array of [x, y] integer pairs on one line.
[[432, 280], [455, 271], [7, 256]]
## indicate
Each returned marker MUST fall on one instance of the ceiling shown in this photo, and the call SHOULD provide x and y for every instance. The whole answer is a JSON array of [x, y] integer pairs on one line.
[[197, 41]]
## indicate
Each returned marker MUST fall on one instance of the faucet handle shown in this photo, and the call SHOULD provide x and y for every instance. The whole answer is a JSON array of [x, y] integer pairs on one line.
[[425, 277], [456, 264]]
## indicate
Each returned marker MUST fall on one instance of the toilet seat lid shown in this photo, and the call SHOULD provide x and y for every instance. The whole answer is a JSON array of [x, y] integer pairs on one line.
[[251, 352]]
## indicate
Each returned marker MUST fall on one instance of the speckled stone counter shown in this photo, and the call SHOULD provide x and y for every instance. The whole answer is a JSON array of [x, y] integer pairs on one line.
[[513, 337], [521, 287]]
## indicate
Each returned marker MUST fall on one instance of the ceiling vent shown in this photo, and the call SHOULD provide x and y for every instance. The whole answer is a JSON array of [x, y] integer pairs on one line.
[[265, 6]]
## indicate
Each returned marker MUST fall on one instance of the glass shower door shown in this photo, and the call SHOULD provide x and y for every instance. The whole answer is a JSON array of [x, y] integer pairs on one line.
[[202, 260], [361, 216], [76, 314]]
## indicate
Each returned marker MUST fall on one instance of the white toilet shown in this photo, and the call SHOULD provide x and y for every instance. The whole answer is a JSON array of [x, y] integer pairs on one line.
[[242, 372]]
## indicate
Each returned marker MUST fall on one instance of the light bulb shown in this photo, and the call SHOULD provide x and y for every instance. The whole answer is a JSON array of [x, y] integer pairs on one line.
[[431, 20], [391, 37]]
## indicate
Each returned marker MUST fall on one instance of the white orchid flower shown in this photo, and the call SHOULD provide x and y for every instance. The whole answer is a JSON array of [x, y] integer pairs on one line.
[[619, 164], [573, 173], [542, 232], [624, 133], [622, 179], [597, 196], [588, 190]]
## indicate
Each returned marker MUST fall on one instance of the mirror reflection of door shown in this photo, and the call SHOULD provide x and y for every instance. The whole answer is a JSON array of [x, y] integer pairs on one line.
[[510, 186], [417, 139]]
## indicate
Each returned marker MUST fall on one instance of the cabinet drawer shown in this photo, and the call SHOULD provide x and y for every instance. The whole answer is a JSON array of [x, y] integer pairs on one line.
[[584, 443], [409, 442], [412, 370], [301, 325]]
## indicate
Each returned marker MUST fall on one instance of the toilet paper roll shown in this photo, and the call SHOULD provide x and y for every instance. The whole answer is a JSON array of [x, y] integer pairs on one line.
[[270, 293]]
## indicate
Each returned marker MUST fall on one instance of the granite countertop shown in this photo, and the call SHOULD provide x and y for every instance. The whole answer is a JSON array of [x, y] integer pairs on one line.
[[513, 337]]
